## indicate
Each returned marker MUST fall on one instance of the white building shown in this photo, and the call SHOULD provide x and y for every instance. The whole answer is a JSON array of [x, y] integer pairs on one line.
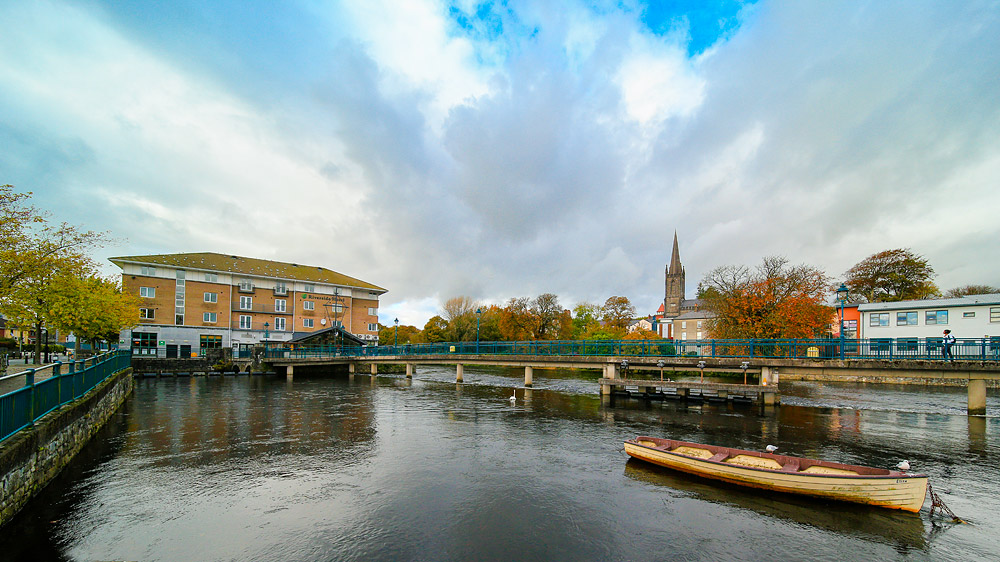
[[975, 316]]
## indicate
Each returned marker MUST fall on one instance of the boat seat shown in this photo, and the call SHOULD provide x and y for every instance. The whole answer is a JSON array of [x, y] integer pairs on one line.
[[719, 457], [791, 466]]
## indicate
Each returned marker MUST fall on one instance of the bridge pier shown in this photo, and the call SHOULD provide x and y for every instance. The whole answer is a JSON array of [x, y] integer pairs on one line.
[[977, 397], [289, 372], [409, 370], [609, 373], [459, 370], [527, 376], [374, 369]]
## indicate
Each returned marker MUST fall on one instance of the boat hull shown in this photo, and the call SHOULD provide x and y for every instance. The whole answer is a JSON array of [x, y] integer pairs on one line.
[[894, 490]]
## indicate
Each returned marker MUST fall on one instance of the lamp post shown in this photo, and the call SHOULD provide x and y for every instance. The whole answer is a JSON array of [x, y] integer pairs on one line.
[[479, 315], [395, 334], [266, 333], [842, 297]]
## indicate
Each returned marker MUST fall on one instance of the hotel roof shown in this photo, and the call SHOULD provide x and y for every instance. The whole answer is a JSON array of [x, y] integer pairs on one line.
[[210, 261]]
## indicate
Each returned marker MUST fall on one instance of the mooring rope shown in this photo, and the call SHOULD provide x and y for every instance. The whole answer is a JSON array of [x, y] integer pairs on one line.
[[938, 503]]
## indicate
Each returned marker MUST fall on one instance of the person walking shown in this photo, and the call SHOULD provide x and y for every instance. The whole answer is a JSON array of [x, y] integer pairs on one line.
[[946, 342]]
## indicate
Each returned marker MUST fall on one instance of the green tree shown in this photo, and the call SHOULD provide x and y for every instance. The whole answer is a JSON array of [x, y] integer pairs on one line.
[[586, 316], [94, 309], [435, 330], [891, 275], [968, 290], [460, 312]]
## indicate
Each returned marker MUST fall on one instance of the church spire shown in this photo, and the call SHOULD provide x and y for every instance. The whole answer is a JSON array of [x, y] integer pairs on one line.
[[675, 267]]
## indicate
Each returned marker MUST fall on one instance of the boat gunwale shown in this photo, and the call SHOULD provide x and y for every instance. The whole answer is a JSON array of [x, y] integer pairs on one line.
[[891, 474]]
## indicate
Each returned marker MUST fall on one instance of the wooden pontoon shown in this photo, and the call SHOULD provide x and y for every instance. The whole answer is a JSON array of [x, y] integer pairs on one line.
[[794, 475]]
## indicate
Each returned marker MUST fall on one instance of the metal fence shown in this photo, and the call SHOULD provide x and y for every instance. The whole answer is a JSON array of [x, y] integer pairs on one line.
[[23, 407], [984, 349]]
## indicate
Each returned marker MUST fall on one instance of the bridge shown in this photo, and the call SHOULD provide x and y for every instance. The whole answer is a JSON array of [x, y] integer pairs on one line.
[[976, 360]]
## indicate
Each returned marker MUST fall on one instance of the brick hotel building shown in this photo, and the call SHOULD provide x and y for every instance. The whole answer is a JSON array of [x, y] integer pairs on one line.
[[193, 302]]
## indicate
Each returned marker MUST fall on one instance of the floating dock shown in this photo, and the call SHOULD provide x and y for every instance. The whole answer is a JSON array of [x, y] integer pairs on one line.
[[691, 390]]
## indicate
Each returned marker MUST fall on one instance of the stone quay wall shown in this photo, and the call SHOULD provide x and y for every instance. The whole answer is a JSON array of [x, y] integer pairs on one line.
[[34, 456]]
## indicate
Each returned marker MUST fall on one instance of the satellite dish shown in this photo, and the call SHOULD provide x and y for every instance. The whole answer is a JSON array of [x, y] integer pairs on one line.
[[323, 321]]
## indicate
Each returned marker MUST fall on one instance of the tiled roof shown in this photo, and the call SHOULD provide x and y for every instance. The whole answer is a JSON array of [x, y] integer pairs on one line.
[[210, 261]]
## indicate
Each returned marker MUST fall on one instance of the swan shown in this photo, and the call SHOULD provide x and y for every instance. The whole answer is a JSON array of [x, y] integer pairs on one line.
[[513, 398]]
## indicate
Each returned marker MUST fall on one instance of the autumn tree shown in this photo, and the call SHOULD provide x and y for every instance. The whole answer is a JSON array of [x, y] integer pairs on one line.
[[489, 323], [516, 322], [617, 312], [460, 312], [435, 330], [892, 275], [390, 335], [772, 301], [968, 290], [93, 308], [547, 312]]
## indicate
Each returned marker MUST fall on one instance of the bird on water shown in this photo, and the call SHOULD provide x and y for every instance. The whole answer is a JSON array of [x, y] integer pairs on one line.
[[903, 465], [513, 398], [770, 448]]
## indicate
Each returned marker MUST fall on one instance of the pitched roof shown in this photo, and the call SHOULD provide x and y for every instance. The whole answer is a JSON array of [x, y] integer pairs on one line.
[[210, 261]]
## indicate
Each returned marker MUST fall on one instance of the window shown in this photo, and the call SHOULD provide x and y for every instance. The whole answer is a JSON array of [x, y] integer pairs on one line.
[[904, 345], [146, 313], [246, 285], [279, 324], [372, 311], [179, 319], [147, 292], [211, 297], [307, 322], [878, 319], [373, 327], [995, 314], [147, 270], [968, 315], [308, 305], [906, 318], [280, 288], [699, 327], [936, 317], [699, 333], [684, 335], [211, 342], [212, 277], [336, 307], [246, 303], [209, 317], [279, 305], [850, 328], [308, 288], [684, 324], [246, 322], [181, 274], [143, 344]]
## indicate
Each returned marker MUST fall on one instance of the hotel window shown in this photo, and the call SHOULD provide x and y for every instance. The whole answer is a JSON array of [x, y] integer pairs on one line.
[[246, 303], [308, 288], [906, 318], [147, 292], [373, 327], [995, 314], [372, 311], [308, 305], [211, 342], [936, 317], [146, 313], [180, 274], [246, 322], [246, 285], [211, 297], [878, 319], [279, 305], [279, 324], [212, 277], [148, 271], [280, 288], [307, 322], [336, 307], [210, 317]]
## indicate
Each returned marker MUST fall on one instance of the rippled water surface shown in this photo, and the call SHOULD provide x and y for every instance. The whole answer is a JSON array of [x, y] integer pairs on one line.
[[331, 468]]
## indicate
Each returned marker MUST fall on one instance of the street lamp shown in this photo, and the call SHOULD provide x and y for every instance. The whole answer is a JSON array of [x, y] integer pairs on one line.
[[842, 297], [266, 326], [395, 336], [479, 314]]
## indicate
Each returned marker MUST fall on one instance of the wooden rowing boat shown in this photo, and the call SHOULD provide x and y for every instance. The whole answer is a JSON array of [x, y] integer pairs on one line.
[[794, 475]]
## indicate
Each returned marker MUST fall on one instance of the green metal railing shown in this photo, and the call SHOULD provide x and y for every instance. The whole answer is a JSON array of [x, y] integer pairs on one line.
[[984, 349], [23, 407]]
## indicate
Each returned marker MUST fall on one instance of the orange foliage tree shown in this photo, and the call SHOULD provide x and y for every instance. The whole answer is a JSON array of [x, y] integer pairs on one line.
[[773, 301]]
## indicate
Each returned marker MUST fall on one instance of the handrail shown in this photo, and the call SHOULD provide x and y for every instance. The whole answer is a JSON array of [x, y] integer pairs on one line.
[[21, 408], [978, 349]]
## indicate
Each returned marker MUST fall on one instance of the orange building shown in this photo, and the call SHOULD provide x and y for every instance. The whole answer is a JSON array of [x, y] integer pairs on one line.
[[851, 319], [193, 302]]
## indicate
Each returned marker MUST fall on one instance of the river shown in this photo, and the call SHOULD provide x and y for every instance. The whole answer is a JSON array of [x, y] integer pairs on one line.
[[316, 469]]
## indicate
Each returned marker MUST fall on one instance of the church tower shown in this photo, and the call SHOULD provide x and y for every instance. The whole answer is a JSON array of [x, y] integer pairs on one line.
[[674, 294]]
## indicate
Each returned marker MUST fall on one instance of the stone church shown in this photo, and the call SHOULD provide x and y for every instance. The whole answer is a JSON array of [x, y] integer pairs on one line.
[[673, 316]]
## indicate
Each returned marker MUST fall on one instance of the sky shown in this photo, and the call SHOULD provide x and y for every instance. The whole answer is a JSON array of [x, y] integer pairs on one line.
[[509, 149]]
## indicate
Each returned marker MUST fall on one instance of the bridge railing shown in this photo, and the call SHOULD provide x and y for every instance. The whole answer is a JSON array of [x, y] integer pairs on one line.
[[21, 408], [985, 349]]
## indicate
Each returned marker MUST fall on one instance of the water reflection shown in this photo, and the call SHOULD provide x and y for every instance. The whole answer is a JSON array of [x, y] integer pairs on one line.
[[902, 530]]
